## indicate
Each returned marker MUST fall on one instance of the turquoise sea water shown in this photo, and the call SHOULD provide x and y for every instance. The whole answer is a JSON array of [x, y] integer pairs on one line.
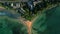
[[53, 21], [49, 22]]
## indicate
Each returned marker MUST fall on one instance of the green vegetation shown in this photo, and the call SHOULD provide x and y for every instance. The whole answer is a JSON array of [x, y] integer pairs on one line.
[[38, 8]]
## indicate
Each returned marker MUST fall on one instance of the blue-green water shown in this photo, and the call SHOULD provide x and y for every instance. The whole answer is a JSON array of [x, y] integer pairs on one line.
[[53, 22], [9, 24], [49, 23]]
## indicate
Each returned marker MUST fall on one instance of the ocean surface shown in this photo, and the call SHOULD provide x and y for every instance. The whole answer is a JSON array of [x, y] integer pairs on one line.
[[53, 21], [48, 23]]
